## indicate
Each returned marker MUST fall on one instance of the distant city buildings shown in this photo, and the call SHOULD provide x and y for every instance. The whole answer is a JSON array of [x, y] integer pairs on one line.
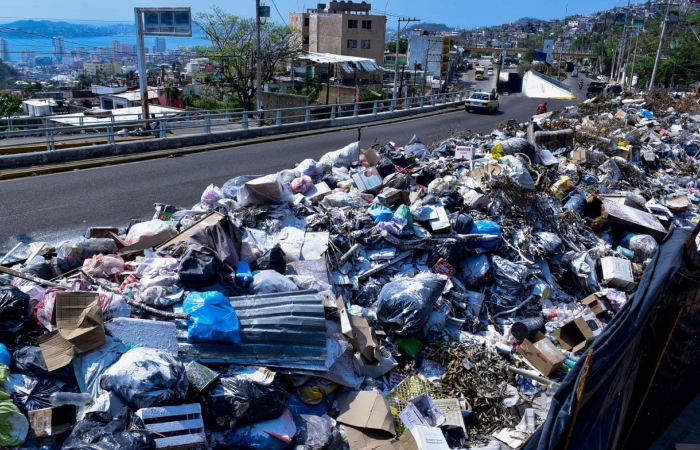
[[159, 45], [107, 68], [5, 50], [59, 48], [28, 57]]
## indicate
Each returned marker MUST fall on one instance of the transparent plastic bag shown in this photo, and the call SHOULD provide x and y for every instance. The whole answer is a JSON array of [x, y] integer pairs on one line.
[[270, 282], [142, 230]]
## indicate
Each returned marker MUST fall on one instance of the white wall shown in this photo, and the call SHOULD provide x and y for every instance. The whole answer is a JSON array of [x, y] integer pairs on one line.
[[538, 87]]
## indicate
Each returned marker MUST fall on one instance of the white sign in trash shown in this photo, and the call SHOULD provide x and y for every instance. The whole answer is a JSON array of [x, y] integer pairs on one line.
[[463, 153]]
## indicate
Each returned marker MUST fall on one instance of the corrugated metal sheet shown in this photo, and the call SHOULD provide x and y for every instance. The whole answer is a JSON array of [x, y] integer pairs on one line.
[[278, 330]]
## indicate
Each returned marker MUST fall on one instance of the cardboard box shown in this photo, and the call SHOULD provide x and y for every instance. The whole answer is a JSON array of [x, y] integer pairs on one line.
[[588, 157], [393, 198], [52, 421], [574, 335], [368, 180], [616, 272], [358, 332], [464, 153], [542, 354], [366, 409], [371, 156], [422, 437], [78, 317], [476, 200], [597, 305]]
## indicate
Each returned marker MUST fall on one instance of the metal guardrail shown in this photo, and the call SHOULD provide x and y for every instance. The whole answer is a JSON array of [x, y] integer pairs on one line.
[[112, 129]]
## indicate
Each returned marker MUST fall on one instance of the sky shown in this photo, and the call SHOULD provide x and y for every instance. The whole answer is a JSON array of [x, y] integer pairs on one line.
[[454, 13]]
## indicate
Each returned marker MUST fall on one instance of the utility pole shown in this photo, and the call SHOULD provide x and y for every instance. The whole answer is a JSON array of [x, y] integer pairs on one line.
[[622, 44], [141, 56], [634, 59], [561, 42], [658, 52], [396, 61], [258, 57]]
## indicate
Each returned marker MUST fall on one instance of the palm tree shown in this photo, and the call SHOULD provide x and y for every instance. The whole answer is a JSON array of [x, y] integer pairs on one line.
[[170, 91]]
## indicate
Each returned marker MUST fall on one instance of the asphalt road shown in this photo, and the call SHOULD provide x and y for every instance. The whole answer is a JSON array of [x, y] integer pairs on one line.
[[61, 206]]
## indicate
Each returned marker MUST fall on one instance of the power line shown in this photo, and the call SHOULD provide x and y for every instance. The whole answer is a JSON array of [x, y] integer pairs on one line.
[[278, 13]]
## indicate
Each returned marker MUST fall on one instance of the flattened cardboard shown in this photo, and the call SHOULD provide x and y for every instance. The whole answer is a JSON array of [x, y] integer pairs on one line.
[[52, 421], [358, 332], [366, 409], [318, 192], [364, 439], [80, 328], [450, 408], [574, 335], [542, 354]]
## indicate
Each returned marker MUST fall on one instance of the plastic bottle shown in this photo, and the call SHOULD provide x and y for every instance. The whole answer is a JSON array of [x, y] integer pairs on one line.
[[5, 356], [70, 398], [243, 273]]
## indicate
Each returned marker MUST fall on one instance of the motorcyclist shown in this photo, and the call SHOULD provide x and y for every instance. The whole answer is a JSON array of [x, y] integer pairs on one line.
[[542, 108], [580, 84]]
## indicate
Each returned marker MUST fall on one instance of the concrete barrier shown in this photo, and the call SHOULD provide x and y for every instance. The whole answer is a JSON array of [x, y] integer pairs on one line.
[[25, 160]]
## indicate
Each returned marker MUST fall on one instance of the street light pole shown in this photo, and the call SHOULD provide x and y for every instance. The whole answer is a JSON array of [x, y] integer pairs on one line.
[[258, 57], [141, 56], [396, 60]]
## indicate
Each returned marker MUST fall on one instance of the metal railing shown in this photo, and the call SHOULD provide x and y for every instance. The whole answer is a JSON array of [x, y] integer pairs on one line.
[[91, 130]]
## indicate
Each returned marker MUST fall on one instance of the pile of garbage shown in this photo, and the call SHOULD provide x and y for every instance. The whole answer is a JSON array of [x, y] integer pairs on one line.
[[388, 297]]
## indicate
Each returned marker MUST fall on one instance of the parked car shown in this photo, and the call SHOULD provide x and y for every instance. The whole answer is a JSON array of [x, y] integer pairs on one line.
[[574, 73], [482, 101], [594, 88], [490, 72], [476, 63], [603, 78]]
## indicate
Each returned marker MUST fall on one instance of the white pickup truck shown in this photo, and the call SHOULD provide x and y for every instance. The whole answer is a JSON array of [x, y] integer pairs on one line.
[[482, 101]]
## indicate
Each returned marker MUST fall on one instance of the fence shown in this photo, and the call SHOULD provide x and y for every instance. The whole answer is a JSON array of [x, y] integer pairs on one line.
[[642, 370], [86, 129]]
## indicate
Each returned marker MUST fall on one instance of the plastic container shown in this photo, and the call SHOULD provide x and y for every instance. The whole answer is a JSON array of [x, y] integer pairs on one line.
[[410, 346], [243, 273], [5, 357], [70, 398]]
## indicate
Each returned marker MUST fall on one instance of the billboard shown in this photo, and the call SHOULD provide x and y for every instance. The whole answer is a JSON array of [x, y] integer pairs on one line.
[[175, 22]]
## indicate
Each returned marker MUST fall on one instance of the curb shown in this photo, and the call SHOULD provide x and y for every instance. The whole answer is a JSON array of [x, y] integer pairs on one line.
[[91, 163]]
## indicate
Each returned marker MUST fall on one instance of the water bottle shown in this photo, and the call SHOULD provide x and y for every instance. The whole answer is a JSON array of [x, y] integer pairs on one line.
[[5, 356], [70, 398]]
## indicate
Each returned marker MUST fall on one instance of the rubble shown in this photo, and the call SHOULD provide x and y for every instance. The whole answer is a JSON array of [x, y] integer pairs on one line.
[[378, 298]]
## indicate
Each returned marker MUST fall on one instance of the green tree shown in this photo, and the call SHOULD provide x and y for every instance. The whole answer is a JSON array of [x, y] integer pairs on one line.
[[312, 87], [84, 81], [9, 104], [170, 91], [403, 46], [232, 50]]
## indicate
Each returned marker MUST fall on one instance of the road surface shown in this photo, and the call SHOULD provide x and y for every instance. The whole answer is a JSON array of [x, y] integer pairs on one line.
[[62, 206]]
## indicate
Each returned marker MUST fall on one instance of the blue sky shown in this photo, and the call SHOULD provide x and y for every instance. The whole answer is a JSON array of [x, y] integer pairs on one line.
[[455, 13]]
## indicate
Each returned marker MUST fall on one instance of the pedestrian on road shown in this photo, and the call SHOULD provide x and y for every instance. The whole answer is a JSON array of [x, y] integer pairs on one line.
[[542, 108]]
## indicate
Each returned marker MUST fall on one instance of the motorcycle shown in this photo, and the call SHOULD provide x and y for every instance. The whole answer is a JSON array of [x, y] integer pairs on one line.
[[580, 84]]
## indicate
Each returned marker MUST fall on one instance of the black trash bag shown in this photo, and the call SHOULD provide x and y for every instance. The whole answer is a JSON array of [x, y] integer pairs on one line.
[[450, 251], [425, 175], [518, 145], [385, 167], [273, 260], [38, 267], [33, 394], [197, 270], [13, 313], [101, 431], [30, 361], [313, 432], [147, 377], [509, 277], [246, 395], [462, 223], [444, 150], [451, 199], [368, 293], [454, 436], [405, 305], [13, 304]]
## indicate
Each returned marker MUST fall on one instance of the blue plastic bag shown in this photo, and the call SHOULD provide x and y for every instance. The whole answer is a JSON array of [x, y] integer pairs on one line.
[[485, 227], [380, 213], [212, 318]]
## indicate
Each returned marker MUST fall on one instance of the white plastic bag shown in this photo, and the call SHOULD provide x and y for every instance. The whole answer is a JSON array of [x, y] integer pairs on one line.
[[344, 157], [143, 230], [270, 282]]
